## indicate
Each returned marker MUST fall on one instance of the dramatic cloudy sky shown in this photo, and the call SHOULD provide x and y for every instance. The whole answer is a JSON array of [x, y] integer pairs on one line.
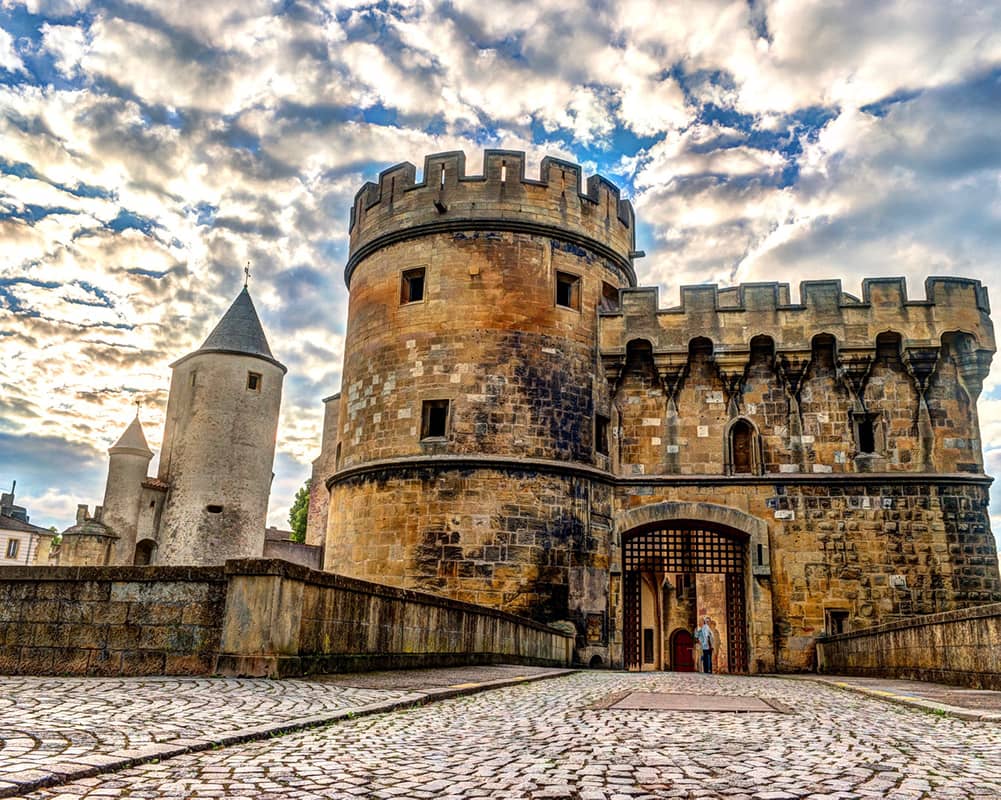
[[149, 149]]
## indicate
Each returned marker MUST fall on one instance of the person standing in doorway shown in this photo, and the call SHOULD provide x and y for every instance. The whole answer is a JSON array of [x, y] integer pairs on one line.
[[707, 640]]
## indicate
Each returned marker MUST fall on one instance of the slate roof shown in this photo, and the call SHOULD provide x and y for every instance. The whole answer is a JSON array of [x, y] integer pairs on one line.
[[133, 438], [11, 524], [239, 330]]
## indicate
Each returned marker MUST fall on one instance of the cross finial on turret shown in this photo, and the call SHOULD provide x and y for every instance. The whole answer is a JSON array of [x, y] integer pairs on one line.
[[246, 272], [139, 405]]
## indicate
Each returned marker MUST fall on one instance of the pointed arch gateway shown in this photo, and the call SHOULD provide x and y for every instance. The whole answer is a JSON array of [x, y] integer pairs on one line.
[[706, 558]]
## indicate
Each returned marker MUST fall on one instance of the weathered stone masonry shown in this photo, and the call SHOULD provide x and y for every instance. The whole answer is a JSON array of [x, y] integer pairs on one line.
[[831, 447]]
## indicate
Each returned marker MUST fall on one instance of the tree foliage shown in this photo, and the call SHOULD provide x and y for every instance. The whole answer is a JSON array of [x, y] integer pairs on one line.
[[298, 513]]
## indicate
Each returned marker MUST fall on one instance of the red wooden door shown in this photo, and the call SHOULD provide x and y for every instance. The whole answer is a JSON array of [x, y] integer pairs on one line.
[[682, 656]]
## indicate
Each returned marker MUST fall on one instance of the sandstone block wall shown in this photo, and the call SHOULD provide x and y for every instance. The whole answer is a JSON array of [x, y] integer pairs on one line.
[[282, 619], [961, 647], [875, 551], [843, 428], [521, 539], [110, 620], [253, 617]]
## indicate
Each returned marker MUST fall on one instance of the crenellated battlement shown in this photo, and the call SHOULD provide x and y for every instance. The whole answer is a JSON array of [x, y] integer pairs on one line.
[[730, 317], [559, 204]]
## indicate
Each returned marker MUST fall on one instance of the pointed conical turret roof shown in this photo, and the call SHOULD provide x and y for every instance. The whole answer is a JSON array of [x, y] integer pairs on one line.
[[133, 441], [239, 330]]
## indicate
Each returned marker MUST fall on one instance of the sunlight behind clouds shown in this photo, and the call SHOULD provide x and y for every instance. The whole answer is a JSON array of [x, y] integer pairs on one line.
[[152, 149]]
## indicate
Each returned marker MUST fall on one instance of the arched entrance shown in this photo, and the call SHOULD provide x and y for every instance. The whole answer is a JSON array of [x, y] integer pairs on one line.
[[702, 568], [145, 552]]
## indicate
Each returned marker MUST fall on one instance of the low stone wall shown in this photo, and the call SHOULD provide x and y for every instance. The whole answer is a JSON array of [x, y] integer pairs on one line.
[[961, 647], [307, 555], [258, 617], [283, 619], [110, 620]]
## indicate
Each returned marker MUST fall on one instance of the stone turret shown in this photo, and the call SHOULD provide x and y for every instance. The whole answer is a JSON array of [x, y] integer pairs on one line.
[[127, 465], [219, 443], [470, 407], [89, 542]]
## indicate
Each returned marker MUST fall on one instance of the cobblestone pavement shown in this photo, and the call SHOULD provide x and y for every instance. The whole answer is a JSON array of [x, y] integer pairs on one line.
[[57, 729], [553, 740], [46, 720]]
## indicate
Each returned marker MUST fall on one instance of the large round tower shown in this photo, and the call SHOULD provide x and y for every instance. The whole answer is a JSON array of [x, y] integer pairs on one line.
[[127, 464], [473, 414], [219, 443]]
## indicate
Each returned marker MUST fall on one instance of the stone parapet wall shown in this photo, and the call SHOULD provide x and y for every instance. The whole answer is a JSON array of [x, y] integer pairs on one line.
[[307, 555], [254, 617], [398, 207], [732, 316], [284, 620], [961, 647], [110, 620]]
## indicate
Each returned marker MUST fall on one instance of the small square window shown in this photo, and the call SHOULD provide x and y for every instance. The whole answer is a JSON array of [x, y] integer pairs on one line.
[[568, 290], [253, 381], [412, 286], [601, 434], [434, 419], [12, 547], [837, 621]]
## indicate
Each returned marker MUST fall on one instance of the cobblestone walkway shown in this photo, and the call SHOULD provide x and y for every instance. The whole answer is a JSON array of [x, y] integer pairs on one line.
[[548, 740], [49, 720]]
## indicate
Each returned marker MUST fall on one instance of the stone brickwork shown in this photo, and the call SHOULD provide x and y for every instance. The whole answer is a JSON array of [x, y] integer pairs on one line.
[[961, 647], [283, 619], [481, 535], [254, 617], [110, 620], [841, 431]]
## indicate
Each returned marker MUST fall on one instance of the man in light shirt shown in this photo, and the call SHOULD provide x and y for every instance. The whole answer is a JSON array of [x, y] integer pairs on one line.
[[707, 640]]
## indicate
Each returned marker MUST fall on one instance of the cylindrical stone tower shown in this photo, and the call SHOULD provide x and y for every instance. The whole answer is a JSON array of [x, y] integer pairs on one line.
[[219, 443], [127, 464], [473, 415]]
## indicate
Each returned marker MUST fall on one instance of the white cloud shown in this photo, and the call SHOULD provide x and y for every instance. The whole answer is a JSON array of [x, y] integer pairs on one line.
[[9, 58]]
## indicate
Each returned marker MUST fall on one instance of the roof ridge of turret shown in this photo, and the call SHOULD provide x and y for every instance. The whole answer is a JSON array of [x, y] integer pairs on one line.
[[133, 439], [239, 330]]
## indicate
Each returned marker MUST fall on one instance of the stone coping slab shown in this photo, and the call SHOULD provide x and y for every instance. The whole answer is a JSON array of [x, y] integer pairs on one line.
[[974, 705], [20, 776]]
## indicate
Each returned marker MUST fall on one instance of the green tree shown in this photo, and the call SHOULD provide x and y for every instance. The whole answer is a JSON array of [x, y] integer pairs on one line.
[[298, 513]]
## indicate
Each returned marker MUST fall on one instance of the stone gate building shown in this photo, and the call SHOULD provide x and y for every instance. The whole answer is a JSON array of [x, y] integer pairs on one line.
[[522, 427]]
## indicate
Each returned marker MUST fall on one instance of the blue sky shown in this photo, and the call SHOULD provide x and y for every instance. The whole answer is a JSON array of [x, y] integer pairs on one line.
[[148, 150]]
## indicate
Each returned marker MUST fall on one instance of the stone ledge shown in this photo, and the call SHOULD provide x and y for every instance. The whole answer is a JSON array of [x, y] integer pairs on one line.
[[956, 615], [114, 574], [517, 464]]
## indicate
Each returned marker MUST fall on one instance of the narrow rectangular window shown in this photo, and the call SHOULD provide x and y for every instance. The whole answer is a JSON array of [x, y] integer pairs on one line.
[[609, 297], [568, 290], [434, 419], [253, 381], [648, 654], [865, 432], [12, 545], [412, 286], [601, 434]]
